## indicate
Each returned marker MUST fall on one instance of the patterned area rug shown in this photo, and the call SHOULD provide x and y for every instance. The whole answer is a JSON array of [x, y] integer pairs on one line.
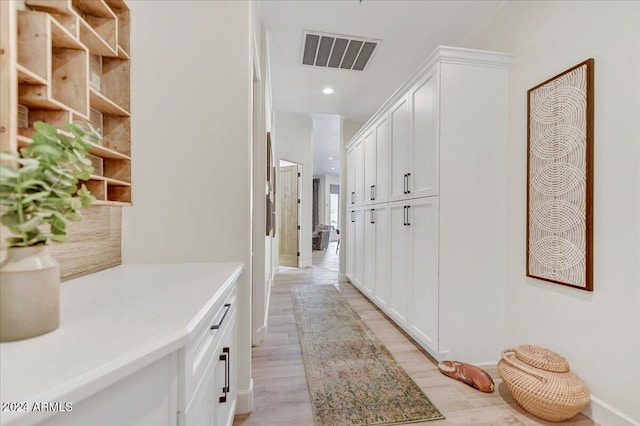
[[352, 377]]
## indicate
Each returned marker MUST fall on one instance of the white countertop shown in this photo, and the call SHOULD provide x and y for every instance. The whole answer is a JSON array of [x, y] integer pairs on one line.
[[112, 323]]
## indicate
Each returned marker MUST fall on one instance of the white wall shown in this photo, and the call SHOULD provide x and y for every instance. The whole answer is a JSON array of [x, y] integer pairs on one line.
[[347, 130], [599, 332], [191, 132], [293, 136], [262, 271]]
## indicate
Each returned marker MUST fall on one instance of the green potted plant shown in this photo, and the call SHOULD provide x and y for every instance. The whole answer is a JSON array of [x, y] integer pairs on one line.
[[38, 194]]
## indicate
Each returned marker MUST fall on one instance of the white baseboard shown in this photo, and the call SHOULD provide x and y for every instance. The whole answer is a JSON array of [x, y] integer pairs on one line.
[[245, 400], [306, 264], [259, 335], [605, 414]]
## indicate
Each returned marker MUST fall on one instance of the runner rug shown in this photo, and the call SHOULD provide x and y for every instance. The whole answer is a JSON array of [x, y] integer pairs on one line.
[[352, 377]]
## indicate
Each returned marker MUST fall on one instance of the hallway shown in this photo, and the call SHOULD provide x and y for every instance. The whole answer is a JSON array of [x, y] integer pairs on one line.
[[281, 397]]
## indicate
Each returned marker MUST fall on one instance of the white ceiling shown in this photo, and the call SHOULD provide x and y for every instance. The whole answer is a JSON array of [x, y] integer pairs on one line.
[[409, 30]]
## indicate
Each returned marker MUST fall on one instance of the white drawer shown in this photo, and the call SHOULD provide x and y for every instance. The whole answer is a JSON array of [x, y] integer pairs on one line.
[[205, 338]]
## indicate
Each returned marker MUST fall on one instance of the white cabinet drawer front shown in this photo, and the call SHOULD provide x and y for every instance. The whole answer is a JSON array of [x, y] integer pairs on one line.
[[206, 337], [207, 407]]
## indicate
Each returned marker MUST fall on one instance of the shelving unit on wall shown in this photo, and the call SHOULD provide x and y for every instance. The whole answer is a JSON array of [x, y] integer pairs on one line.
[[73, 65], [68, 61]]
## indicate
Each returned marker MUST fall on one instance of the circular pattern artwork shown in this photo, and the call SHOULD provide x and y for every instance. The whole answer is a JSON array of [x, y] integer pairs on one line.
[[557, 184]]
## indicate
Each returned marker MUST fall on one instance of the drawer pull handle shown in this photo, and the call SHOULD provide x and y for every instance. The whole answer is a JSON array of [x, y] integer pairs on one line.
[[218, 325], [227, 373]]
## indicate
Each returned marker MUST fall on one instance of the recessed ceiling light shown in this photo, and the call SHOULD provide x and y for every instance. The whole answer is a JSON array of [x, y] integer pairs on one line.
[[327, 90], [333, 168], [330, 158]]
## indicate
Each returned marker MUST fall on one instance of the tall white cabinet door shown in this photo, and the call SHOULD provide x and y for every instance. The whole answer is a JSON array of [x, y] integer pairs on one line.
[[358, 168], [423, 302], [400, 258], [351, 178], [399, 120], [351, 244], [369, 146], [369, 276], [382, 289], [423, 151], [381, 189], [359, 250]]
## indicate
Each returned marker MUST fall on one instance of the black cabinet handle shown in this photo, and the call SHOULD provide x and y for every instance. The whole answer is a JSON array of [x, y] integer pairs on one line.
[[408, 223], [408, 176], [371, 216], [226, 357], [405, 183], [373, 192], [218, 325], [227, 376], [353, 198]]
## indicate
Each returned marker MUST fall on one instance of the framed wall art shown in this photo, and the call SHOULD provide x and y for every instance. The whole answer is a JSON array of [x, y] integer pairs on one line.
[[560, 178]]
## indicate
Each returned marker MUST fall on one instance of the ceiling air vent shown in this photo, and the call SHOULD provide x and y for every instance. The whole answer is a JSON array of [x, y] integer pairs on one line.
[[337, 51]]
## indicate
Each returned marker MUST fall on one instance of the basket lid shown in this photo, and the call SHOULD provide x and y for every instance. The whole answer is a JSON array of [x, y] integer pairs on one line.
[[543, 358]]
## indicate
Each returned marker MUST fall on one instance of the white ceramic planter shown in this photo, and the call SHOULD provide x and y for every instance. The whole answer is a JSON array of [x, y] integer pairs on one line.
[[29, 293]]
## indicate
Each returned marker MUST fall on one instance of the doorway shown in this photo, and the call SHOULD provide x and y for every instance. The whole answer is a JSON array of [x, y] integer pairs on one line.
[[289, 213]]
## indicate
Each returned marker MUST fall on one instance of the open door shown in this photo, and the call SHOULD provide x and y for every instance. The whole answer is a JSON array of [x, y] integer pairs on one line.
[[288, 208]]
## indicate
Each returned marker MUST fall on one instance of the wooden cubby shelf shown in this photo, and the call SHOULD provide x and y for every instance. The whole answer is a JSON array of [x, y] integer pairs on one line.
[[26, 76], [105, 105], [52, 65], [73, 66], [97, 23]]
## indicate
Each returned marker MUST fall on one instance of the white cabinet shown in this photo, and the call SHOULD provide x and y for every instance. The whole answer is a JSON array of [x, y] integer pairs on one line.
[[414, 141], [440, 146], [422, 161], [399, 144], [350, 244], [355, 175], [401, 258], [422, 312], [376, 261], [369, 146], [355, 246], [209, 368], [382, 287], [376, 163], [150, 339], [414, 268]]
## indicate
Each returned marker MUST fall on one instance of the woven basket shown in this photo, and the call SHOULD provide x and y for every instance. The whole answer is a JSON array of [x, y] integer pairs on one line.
[[541, 382]]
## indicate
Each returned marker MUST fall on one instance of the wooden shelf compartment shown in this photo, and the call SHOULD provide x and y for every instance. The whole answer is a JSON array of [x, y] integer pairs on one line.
[[116, 82], [26, 76], [116, 134], [69, 80], [121, 194], [55, 118], [117, 169], [105, 105], [69, 23], [97, 188], [52, 65], [110, 181], [97, 24], [101, 151], [124, 27]]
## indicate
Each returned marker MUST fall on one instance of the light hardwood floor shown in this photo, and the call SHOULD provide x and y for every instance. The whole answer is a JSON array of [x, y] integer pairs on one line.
[[281, 395]]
